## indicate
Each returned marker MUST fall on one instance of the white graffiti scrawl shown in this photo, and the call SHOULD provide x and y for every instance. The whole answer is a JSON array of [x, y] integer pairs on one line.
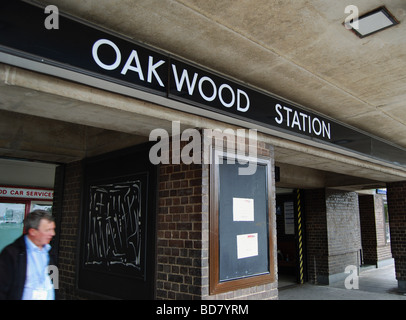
[[114, 225]]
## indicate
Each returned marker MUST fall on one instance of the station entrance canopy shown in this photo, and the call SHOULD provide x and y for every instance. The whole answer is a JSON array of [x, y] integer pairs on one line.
[[88, 54]]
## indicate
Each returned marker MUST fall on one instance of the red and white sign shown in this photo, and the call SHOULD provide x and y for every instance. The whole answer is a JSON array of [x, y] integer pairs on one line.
[[26, 193]]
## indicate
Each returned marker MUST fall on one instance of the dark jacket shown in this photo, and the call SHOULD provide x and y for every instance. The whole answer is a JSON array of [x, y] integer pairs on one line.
[[13, 268]]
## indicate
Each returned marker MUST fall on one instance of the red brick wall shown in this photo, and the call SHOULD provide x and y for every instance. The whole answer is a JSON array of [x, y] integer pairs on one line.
[[69, 219], [396, 193], [333, 238], [344, 233], [368, 228], [179, 255], [372, 219], [384, 248], [316, 235]]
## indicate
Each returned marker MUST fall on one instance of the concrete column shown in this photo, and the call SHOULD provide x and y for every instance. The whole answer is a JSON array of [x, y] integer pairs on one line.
[[396, 193]]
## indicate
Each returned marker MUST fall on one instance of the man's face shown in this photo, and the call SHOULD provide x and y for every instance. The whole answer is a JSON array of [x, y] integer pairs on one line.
[[44, 234]]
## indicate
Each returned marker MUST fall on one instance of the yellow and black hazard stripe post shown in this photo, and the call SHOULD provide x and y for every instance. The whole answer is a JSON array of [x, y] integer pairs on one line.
[[300, 237]]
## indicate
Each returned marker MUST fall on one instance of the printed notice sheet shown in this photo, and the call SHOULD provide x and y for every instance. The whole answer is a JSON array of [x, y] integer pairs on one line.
[[289, 218], [247, 245], [243, 209]]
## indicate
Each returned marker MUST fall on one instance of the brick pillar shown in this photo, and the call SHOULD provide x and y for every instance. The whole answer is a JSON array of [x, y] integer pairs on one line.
[[396, 193], [368, 229], [344, 235], [317, 236], [179, 232], [69, 222], [376, 250], [333, 234]]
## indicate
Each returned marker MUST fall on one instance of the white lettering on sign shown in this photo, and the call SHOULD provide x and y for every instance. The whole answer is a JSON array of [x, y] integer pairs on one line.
[[132, 63], [301, 121], [11, 192], [95, 49], [228, 96]]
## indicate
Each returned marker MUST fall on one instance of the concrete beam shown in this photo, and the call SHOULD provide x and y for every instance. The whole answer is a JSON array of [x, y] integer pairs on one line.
[[48, 97], [36, 138]]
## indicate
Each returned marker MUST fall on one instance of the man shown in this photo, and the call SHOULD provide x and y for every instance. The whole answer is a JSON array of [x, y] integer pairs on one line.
[[24, 263]]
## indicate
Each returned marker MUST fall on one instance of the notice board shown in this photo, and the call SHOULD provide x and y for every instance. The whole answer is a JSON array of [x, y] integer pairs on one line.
[[243, 223], [240, 242]]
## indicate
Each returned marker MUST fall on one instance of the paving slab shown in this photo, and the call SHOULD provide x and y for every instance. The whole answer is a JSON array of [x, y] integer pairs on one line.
[[374, 284]]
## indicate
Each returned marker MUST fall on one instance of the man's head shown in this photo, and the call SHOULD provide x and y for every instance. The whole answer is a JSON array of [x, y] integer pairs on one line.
[[40, 227]]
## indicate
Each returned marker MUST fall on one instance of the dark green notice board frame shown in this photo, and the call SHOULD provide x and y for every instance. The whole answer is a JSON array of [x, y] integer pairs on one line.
[[241, 240]]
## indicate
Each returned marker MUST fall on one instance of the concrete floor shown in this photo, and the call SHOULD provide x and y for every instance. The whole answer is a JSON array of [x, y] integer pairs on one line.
[[374, 284]]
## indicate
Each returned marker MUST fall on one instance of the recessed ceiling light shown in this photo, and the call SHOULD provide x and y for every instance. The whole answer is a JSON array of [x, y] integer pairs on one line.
[[372, 22]]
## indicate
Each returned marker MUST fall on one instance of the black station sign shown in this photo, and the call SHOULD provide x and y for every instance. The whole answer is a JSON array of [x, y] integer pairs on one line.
[[79, 47], [89, 50]]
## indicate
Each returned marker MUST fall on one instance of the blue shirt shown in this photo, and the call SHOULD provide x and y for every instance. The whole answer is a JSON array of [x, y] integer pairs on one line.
[[38, 284]]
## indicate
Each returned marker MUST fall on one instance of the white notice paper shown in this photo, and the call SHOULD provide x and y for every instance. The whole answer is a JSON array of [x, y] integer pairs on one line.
[[289, 211], [247, 245], [243, 209]]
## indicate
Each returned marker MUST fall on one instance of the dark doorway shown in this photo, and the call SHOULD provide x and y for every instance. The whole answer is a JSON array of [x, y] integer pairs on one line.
[[290, 237], [118, 225]]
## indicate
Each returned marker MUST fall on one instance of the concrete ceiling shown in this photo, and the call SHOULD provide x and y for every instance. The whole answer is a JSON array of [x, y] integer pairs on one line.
[[296, 49]]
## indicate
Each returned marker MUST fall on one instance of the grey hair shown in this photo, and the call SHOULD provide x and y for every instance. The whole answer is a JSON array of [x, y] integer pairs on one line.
[[34, 218]]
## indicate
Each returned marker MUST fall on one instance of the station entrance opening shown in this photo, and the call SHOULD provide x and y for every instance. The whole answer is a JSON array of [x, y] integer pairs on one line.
[[24, 186], [290, 237], [99, 185], [325, 234]]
